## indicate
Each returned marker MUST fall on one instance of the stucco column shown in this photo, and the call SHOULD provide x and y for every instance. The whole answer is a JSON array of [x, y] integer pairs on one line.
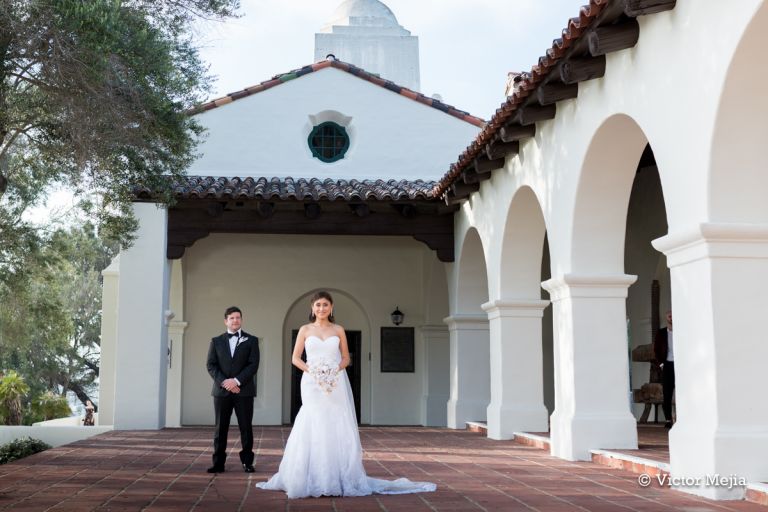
[[470, 382], [175, 363], [176, 328], [109, 290], [141, 351], [437, 382], [517, 375], [719, 276], [592, 408]]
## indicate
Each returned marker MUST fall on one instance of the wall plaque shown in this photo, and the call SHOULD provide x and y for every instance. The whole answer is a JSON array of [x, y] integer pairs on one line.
[[397, 353]]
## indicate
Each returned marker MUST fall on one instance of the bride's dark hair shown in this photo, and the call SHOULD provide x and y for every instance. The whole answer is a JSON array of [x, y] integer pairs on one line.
[[322, 294]]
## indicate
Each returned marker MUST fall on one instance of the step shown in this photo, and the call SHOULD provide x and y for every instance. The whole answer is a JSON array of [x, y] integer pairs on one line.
[[631, 463], [535, 440], [757, 493], [480, 427]]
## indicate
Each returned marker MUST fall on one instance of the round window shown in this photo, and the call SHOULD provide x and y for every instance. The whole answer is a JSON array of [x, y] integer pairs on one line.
[[328, 141]]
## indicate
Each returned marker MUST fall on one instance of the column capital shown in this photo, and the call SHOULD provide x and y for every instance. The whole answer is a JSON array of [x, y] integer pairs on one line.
[[466, 322], [433, 329], [515, 308], [589, 286], [714, 240], [177, 327]]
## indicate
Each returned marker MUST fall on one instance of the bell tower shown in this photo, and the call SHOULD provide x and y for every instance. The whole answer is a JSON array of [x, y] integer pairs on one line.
[[366, 33]]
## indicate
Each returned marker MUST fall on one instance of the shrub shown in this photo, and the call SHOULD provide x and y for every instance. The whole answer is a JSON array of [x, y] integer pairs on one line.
[[12, 390], [49, 406], [20, 448]]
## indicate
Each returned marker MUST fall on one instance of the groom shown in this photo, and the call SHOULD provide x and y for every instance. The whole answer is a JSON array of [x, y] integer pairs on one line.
[[233, 359]]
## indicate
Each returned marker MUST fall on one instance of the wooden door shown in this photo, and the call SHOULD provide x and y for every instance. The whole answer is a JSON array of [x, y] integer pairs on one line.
[[354, 370]]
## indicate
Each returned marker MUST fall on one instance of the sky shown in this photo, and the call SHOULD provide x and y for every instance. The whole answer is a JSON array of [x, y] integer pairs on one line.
[[467, 47]]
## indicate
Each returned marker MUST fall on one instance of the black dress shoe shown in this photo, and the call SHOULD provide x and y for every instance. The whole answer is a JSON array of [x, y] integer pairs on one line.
[[668, 425], [215, 469], [248, 468]]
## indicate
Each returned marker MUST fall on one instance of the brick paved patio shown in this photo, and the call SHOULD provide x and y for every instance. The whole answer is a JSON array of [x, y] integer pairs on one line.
[[165, 471]]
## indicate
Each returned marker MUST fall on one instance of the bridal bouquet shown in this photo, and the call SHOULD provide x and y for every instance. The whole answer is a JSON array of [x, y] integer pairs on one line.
[[326, 374]]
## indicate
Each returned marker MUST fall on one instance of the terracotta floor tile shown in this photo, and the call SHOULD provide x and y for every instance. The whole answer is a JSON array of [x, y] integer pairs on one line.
[[164, 471]]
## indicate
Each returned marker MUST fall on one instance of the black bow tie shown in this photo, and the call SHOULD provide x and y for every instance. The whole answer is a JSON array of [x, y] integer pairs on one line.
[[235, 334]]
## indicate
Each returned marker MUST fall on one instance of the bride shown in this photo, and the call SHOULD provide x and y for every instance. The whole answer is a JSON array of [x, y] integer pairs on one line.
[[323, 455]]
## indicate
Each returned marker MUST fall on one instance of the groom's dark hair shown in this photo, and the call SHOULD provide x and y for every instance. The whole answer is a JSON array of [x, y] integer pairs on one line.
[[230, 310]]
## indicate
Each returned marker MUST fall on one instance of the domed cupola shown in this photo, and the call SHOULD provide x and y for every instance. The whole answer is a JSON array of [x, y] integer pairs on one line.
[[366, 33], [368, 13]]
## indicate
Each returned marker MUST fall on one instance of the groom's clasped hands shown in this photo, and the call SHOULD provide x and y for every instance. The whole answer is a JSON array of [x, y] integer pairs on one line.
[[230, 385]]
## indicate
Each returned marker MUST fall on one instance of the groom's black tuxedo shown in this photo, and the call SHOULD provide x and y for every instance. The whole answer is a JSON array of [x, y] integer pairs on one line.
[[241, 365]]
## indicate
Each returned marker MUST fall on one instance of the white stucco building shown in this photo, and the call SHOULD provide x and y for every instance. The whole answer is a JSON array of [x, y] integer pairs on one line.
[[367, 34], [329, 149], [631, 154]]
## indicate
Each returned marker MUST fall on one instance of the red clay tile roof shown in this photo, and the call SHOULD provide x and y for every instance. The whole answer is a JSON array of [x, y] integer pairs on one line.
[[576, 27], [210, 187], [349, 68]]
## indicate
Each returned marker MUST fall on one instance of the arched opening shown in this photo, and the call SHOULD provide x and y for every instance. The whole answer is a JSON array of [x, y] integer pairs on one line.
[[650, 297], [611, 234], [473, 278], [469, 339], [521, 359], [348, 312], [738, 180]]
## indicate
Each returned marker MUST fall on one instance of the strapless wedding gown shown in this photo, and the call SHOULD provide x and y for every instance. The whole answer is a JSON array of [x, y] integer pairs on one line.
[[323, 455]]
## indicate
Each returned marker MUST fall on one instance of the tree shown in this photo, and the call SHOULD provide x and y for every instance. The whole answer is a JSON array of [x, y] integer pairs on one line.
[[93, 96], [50, 313], [13, 390]]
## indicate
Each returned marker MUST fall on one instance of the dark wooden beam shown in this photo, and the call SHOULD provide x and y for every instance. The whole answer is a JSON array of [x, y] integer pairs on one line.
[[483, 165], [441, 243], [407, 210], [361, 210], [472, 176], [183, 237], [461, 189], [574, 71], [312, 210], [500, 149], [215, 209], [515, 132], [614, 38], [448, 209], [642, 7], [189, 224], [548, 94], [534, 113], [265, 210], [452, 201]]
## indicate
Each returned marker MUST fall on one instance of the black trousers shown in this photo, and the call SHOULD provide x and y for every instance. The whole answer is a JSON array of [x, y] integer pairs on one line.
[[668, 388], [223, 407]]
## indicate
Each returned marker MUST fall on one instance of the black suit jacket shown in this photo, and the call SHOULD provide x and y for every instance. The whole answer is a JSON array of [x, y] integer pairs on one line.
[[661, 345], [242, 365]]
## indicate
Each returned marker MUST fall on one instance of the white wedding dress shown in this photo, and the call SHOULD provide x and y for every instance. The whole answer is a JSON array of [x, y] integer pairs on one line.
[[323, 455]]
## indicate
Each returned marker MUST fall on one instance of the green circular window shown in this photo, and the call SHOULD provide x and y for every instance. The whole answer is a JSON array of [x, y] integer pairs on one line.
[[328, 141]]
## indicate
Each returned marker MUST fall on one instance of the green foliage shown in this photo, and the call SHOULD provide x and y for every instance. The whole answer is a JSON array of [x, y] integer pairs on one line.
[[93, 97], [13, 390], [20, 448], [49, 406], [50, 315]]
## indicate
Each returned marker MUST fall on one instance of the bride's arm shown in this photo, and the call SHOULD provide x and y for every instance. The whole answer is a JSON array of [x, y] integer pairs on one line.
[[345, 360], [298, 349]]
